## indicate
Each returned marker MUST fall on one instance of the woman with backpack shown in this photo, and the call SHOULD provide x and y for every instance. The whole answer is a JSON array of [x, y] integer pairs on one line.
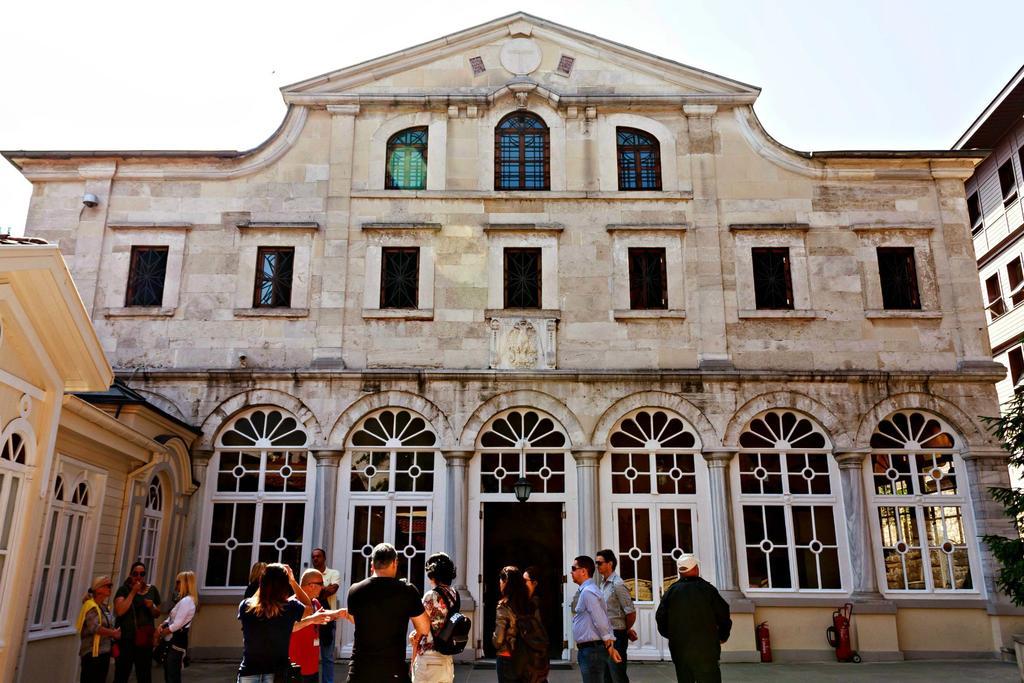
[[428, 664]]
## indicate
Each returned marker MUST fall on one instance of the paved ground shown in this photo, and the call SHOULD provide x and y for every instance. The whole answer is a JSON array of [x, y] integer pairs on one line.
[[206, 672]]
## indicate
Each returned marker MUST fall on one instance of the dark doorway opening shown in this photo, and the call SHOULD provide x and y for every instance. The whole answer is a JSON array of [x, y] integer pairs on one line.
[[525, 534]]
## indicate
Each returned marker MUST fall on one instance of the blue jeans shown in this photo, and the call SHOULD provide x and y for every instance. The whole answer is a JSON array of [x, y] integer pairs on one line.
[[258, 678], [616, 673], [327, 652], [593, 661]]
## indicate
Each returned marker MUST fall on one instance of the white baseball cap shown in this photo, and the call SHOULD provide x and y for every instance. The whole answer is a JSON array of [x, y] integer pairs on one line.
[[686, 563]]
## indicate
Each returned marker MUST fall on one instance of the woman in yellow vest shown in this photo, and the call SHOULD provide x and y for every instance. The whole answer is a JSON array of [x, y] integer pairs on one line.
[[96, 627]]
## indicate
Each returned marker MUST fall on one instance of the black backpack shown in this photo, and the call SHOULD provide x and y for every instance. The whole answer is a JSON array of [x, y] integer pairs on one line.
[[451, 639]]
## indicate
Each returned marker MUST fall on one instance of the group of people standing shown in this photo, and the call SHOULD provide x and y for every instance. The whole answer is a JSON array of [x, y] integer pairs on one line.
[[129, 632]]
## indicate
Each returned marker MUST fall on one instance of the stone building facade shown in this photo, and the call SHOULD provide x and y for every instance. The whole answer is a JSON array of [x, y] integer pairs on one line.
[[525, 252]]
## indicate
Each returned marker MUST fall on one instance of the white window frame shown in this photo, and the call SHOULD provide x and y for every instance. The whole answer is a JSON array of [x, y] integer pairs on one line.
[[787, 500], [11, 512], [149, 527], [59, 515], [917, 502], [258, 497]]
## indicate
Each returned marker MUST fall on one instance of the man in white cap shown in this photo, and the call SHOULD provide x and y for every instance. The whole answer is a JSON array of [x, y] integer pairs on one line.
[[695, 619]]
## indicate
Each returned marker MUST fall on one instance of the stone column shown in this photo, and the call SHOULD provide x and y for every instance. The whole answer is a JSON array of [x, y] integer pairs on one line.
[[858, 528], [586, 495], [192, 543], [725, 560], [325, 501], [457, 520]]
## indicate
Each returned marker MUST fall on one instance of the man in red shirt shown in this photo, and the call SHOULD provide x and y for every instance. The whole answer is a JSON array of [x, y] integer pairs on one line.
[[304, 648]]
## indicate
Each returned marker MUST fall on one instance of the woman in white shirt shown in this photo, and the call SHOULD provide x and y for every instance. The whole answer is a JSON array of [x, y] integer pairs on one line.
[[175, 628]]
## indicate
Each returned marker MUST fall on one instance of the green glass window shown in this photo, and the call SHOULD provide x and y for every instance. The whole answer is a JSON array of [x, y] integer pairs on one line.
[[407, 160]]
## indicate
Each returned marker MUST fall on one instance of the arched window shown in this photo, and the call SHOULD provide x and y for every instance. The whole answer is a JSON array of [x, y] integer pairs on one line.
[[654, 463], [526, 442], [406, 166], [261, 482], [788, 496], [920, 500], [522, 153], [68, 551], [149, 534], [392, 473], [13, 470], [639, 159]]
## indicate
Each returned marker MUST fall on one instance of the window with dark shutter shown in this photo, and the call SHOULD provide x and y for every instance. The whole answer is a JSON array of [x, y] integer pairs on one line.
[[974, 213], [1015, 276], [773, 284], [399, 277], [898, 276], [522, 153], [274, 277], [522, 278], [146, 276], [1007, 183], [996, 306], [1016, 360], [639, 160], [407, 160], [647, 283]]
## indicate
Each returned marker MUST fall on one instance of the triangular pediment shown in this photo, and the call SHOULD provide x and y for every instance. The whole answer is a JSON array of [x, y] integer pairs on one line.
[[520, 48]]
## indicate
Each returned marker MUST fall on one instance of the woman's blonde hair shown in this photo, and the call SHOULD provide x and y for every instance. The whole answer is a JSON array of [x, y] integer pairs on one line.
[[187, 586], [256, 573]]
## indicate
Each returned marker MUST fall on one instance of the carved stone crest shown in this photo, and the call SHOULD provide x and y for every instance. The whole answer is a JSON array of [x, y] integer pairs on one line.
[[522, 343]]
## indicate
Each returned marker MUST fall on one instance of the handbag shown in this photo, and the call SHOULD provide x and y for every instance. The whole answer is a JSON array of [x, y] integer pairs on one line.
[[160, 652], [293, 674]]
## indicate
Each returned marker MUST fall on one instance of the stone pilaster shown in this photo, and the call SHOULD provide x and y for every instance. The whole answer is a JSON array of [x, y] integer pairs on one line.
[[326, 501], [586, 495], [858, 528], [193, 543], [718, 460], [457, 520]]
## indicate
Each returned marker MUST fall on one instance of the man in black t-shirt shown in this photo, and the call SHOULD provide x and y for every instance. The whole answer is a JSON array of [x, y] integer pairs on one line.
[[381, 607]]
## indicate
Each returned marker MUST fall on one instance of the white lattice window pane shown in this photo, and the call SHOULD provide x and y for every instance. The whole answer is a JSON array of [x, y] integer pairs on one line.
[[635, 561], [947, 548], [9, 486], [368, 529], [764, 528], [281, 533], [44, 576], [936, 472], [545, 471], [760, 473], [231, 542], [498, 472], [808, 473], [901, 548], [371, 471], [676, 526], [414, 471], [410, 539], [238, 472], [892, 475], [817, 552], [285, 472], [631, 473], [676, 473], [77, 522]]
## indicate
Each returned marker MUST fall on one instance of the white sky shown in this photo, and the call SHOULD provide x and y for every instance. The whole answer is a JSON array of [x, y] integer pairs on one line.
[[871, 74]]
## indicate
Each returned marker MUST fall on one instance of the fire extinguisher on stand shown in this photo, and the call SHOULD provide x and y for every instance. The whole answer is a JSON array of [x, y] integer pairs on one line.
[[764, 641]]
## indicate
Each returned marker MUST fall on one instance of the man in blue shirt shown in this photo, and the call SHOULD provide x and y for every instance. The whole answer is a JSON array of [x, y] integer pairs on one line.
[[591, 629]]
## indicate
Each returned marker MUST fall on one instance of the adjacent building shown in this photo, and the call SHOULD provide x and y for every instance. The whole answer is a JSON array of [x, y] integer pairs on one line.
[[523, 254]]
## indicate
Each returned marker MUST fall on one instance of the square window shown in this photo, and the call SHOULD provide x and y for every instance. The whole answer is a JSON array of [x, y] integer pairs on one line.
[[1007, 183], [773, 283], [898, 276], [647, 281], [146, 276], [974, 213], [996, 306], [1015, 276], [522, 278], [274, 277], [399, 277]]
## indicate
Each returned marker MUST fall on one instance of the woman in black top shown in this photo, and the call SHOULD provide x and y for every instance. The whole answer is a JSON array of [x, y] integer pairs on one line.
[[136, 606], [268, 619]]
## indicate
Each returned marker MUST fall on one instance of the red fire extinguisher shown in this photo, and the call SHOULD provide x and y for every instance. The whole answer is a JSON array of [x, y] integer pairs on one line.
[[764, 641], [838, 635]]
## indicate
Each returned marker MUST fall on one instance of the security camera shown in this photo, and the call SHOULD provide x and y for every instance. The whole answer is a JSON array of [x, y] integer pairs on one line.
[[90, 200]]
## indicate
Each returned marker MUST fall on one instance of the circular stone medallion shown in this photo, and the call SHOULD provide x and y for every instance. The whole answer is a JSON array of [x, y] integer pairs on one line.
[[520, 56]]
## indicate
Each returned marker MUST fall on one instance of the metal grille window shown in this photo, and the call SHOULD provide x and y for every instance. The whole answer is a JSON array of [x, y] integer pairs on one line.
[[261, 482], [274, 277], [773, 284], [399, 277], [527, 443], [149, 534], [66, 556], [639, 160], [898, 275], [919, 496], [522, 153], [788, 499], [522, 277], [647, 282], [996, 307], [13, 471], [407, 160], [974, 214], [146, 276], [1007, 183]]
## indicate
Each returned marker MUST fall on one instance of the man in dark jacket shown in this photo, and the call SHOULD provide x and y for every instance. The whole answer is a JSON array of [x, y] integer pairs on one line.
[[695, 619]]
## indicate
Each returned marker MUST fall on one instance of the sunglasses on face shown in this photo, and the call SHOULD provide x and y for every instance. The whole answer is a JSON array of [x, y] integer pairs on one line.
[[600, 562], [138, 573], [573, 568]]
